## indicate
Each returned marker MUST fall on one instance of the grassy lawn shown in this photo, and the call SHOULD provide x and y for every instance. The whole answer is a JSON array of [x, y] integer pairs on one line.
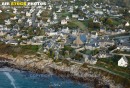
[[79, 24], [18, 50], [90, 52], [64, 14], [33, 48], [86, 52], [114, 70], [111, 64]]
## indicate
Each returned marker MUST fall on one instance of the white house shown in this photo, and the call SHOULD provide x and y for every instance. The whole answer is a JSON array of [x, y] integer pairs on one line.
[[15, 11], [54, 16], [76, 6], [123, 62], [39, 13], [25, 36], [127, 24], [87, 6], [50, 7], [52, 33], [121, 31], [66, 30], [75, 15], [19, 20], [67, 18], [81, 18], [97, 12], [22, 12], [28, 14], [14, 18], [29, 21], [129, 11], [71, 9], [7, 22], [48, 20], [63, 22], [0, 11]]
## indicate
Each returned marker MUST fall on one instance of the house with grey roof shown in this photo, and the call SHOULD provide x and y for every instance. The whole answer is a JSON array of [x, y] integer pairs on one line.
[[89, 59], [124, 46]]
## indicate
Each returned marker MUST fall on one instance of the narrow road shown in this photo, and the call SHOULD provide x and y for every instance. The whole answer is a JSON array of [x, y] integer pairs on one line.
[[120, 54], [99, 68], [106, 70]]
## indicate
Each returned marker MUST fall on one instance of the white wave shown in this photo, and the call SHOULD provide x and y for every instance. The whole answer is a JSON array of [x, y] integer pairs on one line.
[[6, 69], [11, 79]]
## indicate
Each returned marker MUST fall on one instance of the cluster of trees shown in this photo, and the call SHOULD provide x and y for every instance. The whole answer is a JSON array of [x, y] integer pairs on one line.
[[109, 22], [67, 51], [32, 31], [78, 57], [124, 3], [92, 25]]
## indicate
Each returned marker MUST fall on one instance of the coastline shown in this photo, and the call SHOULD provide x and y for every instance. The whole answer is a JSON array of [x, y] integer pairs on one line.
[[76, 72]]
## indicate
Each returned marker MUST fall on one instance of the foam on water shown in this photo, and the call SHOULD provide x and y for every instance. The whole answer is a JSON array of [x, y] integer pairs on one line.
[[10, 78]]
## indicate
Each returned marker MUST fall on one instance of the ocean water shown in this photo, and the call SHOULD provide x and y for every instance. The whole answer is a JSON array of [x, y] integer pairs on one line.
[[21, 79]]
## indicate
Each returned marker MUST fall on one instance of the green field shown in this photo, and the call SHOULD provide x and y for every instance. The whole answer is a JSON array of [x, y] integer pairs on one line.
[[79, 24]]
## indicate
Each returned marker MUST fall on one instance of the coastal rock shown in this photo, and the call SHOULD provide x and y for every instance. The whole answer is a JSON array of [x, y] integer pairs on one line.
[[75, 72]]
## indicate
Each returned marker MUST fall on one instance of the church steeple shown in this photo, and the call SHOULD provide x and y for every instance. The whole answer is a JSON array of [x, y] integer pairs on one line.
[[78, 40]]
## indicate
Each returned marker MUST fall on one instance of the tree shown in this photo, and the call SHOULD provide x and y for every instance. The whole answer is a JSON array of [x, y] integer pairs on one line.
[[96, 25], [90, 23], [109, 21]]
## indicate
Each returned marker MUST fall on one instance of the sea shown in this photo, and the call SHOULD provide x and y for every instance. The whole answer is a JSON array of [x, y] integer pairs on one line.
[[12, 78]]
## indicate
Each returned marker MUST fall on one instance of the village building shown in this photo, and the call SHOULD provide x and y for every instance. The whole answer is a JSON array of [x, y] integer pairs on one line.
[[55, 16], [94, 34], [75, 15], [89, 59], [0, 11], [66, 30], [81, 18], [78, 41], [28, 14], [7, 22], [97, 12], [127, 24], [63, 22], [123, 62], [124, 46], [67, 18]]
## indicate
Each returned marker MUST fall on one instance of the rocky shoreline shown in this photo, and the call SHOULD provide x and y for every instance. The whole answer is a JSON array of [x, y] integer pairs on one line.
[[76, 72]]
